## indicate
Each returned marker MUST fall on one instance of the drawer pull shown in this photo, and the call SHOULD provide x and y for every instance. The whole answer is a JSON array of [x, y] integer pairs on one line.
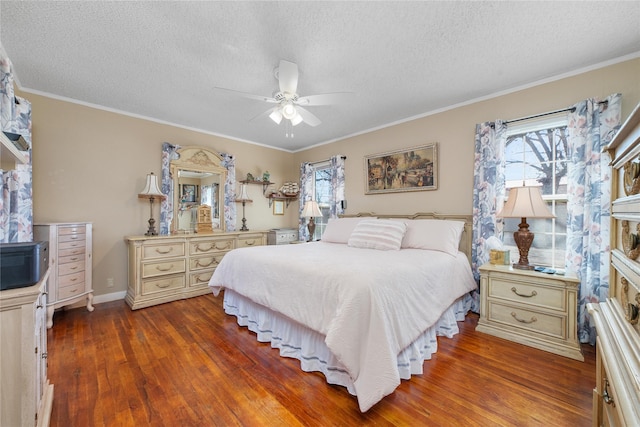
[[515, 291], [74, 279], [75, 258], [226, 245], [605, 394], [533, 319], [250, 243], [198, 248], [164, 252], [162, 285], [213, 261], [73, 268], [164, 269]]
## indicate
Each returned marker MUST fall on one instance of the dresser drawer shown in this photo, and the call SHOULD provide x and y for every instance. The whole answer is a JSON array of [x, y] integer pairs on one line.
[[163, 250], [526, 293], [248, 241], [66, 230], [162, 285], [71, 279], [70, 267], [200, 277], [75, 237], [201, 247], [161, 268], [205, 262], [77, 255], [525, 319], [72, 244], [70, 291]]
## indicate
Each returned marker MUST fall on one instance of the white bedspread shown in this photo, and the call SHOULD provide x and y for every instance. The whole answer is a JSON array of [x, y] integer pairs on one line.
[[369, 304]]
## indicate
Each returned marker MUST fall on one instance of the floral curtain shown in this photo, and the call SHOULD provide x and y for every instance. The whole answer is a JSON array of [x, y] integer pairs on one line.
[[591, 126], [16, 203], [488, 193], [307, 188]]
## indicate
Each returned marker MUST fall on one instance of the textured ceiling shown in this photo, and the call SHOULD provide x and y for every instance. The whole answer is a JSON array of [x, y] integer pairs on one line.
[[162, 60]]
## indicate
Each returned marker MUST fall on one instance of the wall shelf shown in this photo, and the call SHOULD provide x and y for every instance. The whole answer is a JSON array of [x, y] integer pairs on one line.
[[287, 199], [10, 154], [265, 184]]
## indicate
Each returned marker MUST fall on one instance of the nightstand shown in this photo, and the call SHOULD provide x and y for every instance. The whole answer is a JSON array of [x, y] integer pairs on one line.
[[282, 236], [530, 308]]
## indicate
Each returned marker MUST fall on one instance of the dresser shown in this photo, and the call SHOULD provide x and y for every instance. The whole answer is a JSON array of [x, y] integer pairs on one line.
[[530, 308], [616, 397], [169, 268], [282, 236], [70, 260], [26, 395]]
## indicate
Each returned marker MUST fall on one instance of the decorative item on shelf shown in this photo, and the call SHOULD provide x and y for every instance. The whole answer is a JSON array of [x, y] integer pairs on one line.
[[250, 177], [151, 191], [244, 198], [311, 210], [524, 202], [265, 176], [289, 189]]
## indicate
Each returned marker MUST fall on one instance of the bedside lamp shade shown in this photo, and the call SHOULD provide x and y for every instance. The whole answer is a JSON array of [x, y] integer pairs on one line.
[[524, 202], [311, 210]]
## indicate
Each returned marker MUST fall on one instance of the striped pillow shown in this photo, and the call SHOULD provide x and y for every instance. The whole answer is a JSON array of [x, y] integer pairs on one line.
[[380, 234]]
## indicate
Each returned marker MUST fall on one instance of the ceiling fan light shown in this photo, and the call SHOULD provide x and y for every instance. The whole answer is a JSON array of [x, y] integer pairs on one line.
[[297, 119], [276, 116], [289, 111]]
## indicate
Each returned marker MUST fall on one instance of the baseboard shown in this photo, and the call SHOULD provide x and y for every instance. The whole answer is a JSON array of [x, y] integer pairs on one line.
[[115, 296]]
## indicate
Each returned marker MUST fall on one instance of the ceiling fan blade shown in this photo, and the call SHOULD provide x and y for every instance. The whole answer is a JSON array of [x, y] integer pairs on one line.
[[288, 76], [248, 95], [308, 117], [324, 99]]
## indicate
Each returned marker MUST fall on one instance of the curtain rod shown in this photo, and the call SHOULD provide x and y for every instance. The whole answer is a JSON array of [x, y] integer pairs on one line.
[[535, 116]]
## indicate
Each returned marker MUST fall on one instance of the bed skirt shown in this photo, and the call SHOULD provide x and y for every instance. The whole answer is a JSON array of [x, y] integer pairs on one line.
[[299, 342]]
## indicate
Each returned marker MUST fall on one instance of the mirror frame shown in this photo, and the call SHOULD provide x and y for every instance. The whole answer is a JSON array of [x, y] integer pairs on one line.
[[200, 159]]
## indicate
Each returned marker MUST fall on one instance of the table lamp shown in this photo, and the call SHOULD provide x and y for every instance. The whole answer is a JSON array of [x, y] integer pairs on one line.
[[151, 191], [311, 210]]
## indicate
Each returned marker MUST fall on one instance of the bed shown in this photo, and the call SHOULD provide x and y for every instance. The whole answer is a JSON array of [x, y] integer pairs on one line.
[[364, 305]]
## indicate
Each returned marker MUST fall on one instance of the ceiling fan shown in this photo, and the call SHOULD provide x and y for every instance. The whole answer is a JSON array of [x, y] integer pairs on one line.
[[289, 105]]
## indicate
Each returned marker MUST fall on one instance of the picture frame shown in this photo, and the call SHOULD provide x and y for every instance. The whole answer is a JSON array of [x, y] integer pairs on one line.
[[189, 193], [278, 207], [409, 169]]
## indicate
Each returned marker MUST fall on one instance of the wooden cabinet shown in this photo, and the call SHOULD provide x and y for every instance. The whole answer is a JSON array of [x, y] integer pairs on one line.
[[531, 308], [169, 268], [616, 397], [282, 236], [26, 397], [70, 259]]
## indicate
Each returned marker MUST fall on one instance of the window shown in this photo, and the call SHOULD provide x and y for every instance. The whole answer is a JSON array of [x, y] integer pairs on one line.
[[322, 193], [536, 155]]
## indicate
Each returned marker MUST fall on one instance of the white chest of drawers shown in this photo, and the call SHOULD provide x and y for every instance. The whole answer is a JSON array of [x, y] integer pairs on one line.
[[282, 236], [70, 260], [531, 308], [169, 268]]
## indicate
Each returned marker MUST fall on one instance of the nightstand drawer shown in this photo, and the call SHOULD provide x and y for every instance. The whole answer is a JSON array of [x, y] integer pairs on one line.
[[248, 241], [530, 320], [525, 293]]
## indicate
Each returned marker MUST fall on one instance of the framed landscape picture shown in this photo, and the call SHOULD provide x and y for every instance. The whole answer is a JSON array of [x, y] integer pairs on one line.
[[411, 169]]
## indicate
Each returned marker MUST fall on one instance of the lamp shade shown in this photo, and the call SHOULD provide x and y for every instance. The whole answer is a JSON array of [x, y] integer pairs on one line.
[[311, 209], [151, 188], [243, 193], [276, 116], [525, 202]]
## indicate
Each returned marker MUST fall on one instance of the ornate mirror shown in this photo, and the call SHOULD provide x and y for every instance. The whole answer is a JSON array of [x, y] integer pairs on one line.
[[198, 180]]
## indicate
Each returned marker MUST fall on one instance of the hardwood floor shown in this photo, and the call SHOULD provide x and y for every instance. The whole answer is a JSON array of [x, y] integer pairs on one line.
[[187, 363]]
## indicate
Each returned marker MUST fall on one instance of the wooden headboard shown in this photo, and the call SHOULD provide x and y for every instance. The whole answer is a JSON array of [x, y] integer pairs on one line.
[[465, 239]]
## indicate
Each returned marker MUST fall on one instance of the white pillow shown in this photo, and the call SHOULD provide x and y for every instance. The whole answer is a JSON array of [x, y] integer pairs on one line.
[[338, 230], [434, 234], [378, 234]]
